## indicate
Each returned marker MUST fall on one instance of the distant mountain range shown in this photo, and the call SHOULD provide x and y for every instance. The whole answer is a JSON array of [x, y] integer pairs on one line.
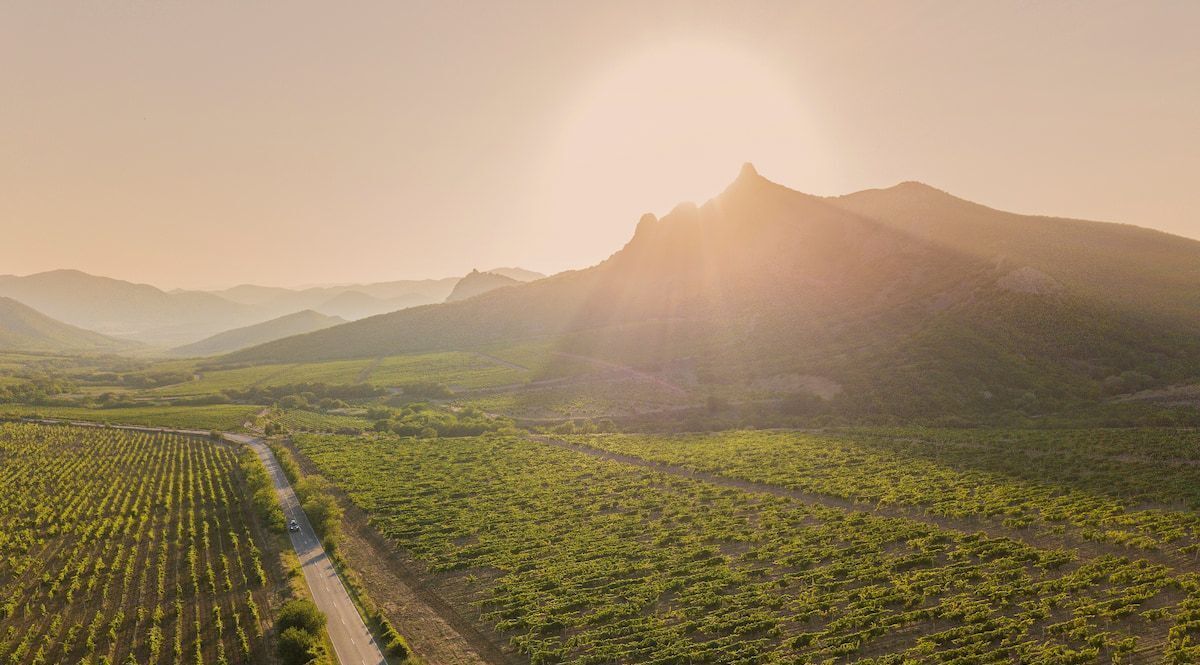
[[362, 299], [160, 318], [910, 299], [126, 310], [23, 328], [240, 338]]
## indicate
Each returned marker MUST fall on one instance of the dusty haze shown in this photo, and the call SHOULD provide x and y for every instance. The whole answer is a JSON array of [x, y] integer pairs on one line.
[[206, 144]]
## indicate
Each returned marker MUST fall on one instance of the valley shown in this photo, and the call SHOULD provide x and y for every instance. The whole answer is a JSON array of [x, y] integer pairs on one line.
[[772, 428], [780, 332]]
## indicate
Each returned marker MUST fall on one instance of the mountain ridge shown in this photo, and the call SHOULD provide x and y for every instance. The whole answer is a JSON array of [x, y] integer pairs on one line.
[[477, 283], [148, 314], [878, 289]]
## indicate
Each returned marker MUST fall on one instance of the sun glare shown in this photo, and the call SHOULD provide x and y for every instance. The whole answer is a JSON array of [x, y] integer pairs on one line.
[[672, 125]]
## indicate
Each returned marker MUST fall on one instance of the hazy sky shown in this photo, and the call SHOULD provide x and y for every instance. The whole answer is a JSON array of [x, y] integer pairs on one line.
[[207, 143]]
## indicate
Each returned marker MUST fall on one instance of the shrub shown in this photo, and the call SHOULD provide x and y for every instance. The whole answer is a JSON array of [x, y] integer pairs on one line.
[[300, 613], [298, 646], [292, 402], [393, 642], [262, 492]]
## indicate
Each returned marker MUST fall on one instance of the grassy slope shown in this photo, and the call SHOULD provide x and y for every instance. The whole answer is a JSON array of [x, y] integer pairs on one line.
[[240, 338]]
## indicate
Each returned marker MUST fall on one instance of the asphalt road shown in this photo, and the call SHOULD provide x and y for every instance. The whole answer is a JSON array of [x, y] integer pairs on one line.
[[351, 639]]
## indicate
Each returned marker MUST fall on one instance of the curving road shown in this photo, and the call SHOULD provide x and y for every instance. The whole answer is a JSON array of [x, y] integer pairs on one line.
[[352, 642]]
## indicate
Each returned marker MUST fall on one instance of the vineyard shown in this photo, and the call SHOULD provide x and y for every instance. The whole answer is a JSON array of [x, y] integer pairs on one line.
[[215, 381], [128, 547], [597, 398], [296, 420], [569, 557], [458, 369], [219, 417], [1130, 488]]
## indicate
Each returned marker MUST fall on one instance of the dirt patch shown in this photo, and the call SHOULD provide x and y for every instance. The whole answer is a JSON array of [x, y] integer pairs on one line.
[[1181, 395]]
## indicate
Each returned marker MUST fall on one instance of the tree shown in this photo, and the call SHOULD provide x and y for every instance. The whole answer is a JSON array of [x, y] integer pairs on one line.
[[326, 517], [292, 402], [301, 613], [298, 646]]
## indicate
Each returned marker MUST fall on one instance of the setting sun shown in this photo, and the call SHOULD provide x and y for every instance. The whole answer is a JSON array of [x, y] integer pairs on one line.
[[672, 124]]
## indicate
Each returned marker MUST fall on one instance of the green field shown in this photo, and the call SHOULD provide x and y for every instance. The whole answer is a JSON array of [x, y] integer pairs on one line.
[[1137, 488], [340, 372], [579, 559], [540, 357], [215, 381], [128, 547], [600, 398], [296, 420], [218, 417], [456, 369], [460, 370]]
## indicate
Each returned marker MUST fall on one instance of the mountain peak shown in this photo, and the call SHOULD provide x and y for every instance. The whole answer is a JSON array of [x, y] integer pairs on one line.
[[747, 176], [476, 283], [916, 186], [750, 181], [910, 191]]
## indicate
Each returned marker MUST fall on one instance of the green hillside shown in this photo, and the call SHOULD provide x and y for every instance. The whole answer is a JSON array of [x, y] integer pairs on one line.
[[23, 328], [240, 338]]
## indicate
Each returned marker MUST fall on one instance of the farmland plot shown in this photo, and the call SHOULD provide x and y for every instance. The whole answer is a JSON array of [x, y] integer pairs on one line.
[[571, 558], [1134, 489], [127, 547]]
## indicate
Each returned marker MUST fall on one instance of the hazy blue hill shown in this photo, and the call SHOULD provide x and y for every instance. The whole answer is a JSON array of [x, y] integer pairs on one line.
[[477, 283], [240, 338], [387, 296], [909, 298], [354, 305], [519, 274], [381, 297], [124, 309], [23, 328], [253, 294], [175, 318]]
